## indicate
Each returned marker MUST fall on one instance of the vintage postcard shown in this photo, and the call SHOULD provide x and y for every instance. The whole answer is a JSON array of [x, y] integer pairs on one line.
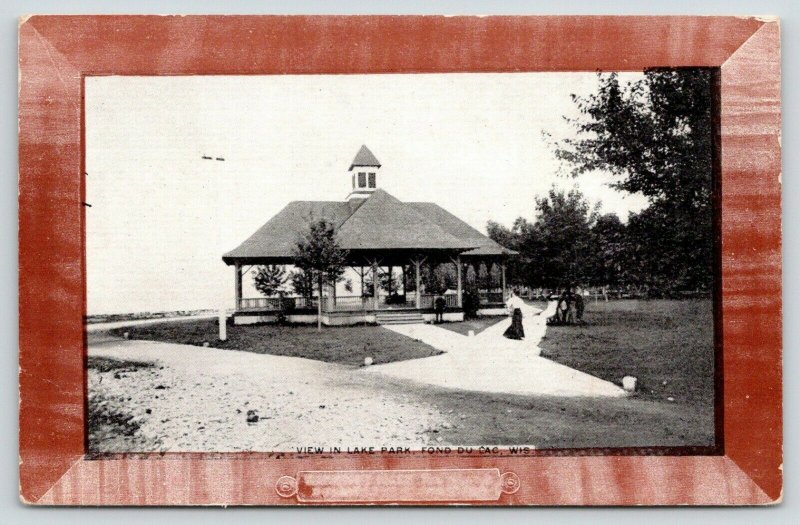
[[400, 260]]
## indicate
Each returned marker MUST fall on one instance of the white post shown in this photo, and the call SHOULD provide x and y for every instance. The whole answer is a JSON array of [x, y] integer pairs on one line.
[[238, 269], [375, 283], [458, 278], [503, 273], [418, 281], [223, 326]]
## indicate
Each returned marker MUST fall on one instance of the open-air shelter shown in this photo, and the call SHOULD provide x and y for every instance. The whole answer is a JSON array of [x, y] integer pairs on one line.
[[380, 233]]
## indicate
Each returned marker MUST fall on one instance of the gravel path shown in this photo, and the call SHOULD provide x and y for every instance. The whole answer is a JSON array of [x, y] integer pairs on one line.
[[197, 399]]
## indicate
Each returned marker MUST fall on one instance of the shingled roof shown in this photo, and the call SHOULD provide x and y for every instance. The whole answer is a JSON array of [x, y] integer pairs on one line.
[[365, 157], [381, 222], [484, 246]]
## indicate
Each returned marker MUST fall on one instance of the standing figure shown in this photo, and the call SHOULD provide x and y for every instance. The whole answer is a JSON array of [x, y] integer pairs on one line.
[[515, 331], [564, 309], [569, 315], [438, 308], [579, 307]]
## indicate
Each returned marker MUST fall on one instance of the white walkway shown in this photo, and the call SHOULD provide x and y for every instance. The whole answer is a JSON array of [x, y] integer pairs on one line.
[[488, 362]]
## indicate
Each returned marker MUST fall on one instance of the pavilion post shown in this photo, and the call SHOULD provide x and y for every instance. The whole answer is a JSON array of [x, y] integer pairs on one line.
[[375, 284], [418, 296], [503, 274], [458, 279], [238, 269]]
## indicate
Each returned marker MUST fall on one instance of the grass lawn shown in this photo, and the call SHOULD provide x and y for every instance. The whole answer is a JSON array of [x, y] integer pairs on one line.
[[476, 325], [667, 345], [550, 422], [347, 345]]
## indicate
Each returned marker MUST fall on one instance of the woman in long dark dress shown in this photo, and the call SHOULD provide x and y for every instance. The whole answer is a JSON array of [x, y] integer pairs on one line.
[[515, 331]]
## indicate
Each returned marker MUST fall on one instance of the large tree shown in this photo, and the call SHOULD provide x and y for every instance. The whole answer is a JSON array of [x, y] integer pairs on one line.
[[609, 261], [557, 248], [564, 225], [657, 135], [319, 255], [524, 238]]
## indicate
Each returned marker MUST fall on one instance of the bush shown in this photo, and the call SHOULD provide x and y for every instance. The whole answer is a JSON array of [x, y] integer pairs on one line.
[[471, 303], [287, 304], [395, 299]]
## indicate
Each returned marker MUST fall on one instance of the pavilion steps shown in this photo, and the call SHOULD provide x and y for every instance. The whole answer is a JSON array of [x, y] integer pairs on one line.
[[399, 318]]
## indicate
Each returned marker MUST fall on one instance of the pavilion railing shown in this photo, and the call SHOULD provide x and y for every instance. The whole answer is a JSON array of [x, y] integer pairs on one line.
[[260, 303], [276, 304], [492, 297], [427, 300], [349, 303]]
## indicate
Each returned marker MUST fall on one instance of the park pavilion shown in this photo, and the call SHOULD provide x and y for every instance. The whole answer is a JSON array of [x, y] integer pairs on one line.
[[381, 234]]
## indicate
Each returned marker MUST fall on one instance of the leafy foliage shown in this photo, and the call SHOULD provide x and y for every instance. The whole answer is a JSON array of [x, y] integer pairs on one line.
[[269, 280], [471, 303], [388, 285], [558, 247], [657, 135], [438, 278], [302, 283], [319, 256]]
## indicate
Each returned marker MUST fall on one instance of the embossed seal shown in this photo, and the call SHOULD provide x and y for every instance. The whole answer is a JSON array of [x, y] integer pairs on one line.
[[286, 487], [509, 483]]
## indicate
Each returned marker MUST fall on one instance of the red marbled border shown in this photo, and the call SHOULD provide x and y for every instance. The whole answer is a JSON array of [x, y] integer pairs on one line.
[[56, 52]]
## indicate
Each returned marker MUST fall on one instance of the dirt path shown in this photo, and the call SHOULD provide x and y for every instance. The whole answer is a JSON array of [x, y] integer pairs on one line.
[[197, 399]]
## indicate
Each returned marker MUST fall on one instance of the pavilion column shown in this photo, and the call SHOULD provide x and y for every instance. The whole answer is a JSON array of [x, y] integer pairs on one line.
[[238, 269], [375, 283], [503, 274], [418, 283], [458, 279]]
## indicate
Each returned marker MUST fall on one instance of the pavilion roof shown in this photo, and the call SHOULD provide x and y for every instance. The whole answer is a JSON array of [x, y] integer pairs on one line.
[[380, 223], [484, 246]]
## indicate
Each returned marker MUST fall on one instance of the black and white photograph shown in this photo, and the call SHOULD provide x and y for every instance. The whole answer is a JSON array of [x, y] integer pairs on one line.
[[401, 262]]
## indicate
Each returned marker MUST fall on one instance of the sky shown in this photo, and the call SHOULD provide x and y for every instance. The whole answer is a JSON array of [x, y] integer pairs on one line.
[[161, 216]]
